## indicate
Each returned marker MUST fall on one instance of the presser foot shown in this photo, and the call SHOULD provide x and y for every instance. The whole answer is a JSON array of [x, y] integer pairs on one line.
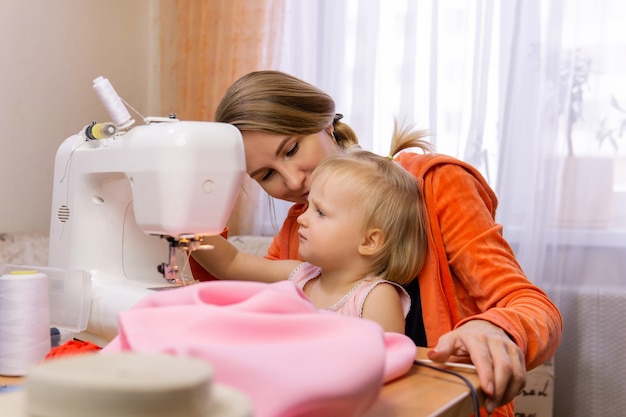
[[171, 271]]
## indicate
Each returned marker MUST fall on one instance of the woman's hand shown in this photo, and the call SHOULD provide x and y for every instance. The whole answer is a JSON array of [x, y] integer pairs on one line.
[[498, 360]]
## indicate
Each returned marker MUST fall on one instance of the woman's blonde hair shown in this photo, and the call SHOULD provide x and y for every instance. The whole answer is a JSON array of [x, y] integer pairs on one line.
[[391, 201], [278, 103]]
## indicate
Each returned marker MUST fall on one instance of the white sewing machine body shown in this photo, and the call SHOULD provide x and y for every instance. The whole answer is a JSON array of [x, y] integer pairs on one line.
[[117, 200]]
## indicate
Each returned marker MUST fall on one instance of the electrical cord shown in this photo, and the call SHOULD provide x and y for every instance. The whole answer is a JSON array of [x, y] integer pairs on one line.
[[458, 375]]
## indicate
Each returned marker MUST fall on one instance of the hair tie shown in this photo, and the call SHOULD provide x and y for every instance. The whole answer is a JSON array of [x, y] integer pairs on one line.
[[390, 157], [337, 117]]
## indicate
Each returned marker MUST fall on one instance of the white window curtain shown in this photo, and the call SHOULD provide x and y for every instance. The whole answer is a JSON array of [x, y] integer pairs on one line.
[[529, 91]]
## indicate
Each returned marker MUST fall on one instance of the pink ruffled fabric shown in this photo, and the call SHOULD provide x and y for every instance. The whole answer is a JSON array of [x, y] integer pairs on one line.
[[269, 341]]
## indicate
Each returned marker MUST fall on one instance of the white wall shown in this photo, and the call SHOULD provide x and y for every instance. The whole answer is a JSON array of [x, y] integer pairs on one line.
[[50, 52]]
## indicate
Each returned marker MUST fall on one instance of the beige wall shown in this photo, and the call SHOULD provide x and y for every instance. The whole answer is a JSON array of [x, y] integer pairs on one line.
[[50, 52]]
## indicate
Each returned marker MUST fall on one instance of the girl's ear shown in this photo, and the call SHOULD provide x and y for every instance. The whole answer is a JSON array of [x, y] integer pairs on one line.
[[372, 242]]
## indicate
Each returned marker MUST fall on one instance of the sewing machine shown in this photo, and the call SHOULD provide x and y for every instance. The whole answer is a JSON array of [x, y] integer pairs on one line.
[[128, 200]]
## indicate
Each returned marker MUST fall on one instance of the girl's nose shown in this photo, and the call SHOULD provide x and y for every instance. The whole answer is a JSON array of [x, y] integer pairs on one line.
[[302, 219]]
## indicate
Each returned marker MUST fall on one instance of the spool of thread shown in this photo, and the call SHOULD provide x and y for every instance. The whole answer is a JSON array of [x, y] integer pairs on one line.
[[24, 321], [112, 102], [100, 131]]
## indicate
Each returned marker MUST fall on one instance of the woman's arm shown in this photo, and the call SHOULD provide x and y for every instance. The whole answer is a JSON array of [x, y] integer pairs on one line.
[[487, 271], [227, 262], [503, 323]]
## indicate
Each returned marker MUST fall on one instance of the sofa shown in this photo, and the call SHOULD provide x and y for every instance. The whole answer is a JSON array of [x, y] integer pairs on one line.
[[31, 248]]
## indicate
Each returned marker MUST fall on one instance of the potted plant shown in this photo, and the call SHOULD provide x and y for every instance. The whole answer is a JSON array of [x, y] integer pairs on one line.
[[587, 187]]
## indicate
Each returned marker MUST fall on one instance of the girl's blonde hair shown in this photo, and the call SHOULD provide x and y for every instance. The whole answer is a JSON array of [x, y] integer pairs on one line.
[[278, 103], [391, 201]]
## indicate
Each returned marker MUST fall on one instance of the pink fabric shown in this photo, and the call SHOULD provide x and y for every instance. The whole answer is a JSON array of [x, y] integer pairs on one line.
[[269, 341], [352, 303]]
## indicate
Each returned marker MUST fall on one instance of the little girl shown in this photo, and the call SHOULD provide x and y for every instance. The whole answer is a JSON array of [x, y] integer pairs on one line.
[[362, 237]]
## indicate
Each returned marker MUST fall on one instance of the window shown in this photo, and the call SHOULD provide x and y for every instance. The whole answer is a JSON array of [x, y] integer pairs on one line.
[[497, 84]]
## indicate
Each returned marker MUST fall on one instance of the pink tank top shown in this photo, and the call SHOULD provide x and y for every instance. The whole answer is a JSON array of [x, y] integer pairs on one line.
[[350, 304]]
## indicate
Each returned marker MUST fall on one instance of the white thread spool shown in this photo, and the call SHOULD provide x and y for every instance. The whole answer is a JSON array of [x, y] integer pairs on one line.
[[113, 103], [24, 321]]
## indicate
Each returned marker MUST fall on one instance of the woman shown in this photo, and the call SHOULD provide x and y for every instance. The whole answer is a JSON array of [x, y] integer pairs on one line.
[[471, 301]]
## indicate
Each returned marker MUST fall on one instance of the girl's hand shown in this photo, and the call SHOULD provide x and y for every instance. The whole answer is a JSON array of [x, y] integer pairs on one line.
[[499, 362]]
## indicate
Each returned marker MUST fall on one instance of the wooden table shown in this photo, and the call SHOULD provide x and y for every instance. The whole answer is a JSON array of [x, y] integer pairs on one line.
[[10, 380], [422, 392], [427, 392]]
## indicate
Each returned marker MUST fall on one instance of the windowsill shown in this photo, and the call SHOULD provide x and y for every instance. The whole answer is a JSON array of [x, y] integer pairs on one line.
[[598, 238]]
